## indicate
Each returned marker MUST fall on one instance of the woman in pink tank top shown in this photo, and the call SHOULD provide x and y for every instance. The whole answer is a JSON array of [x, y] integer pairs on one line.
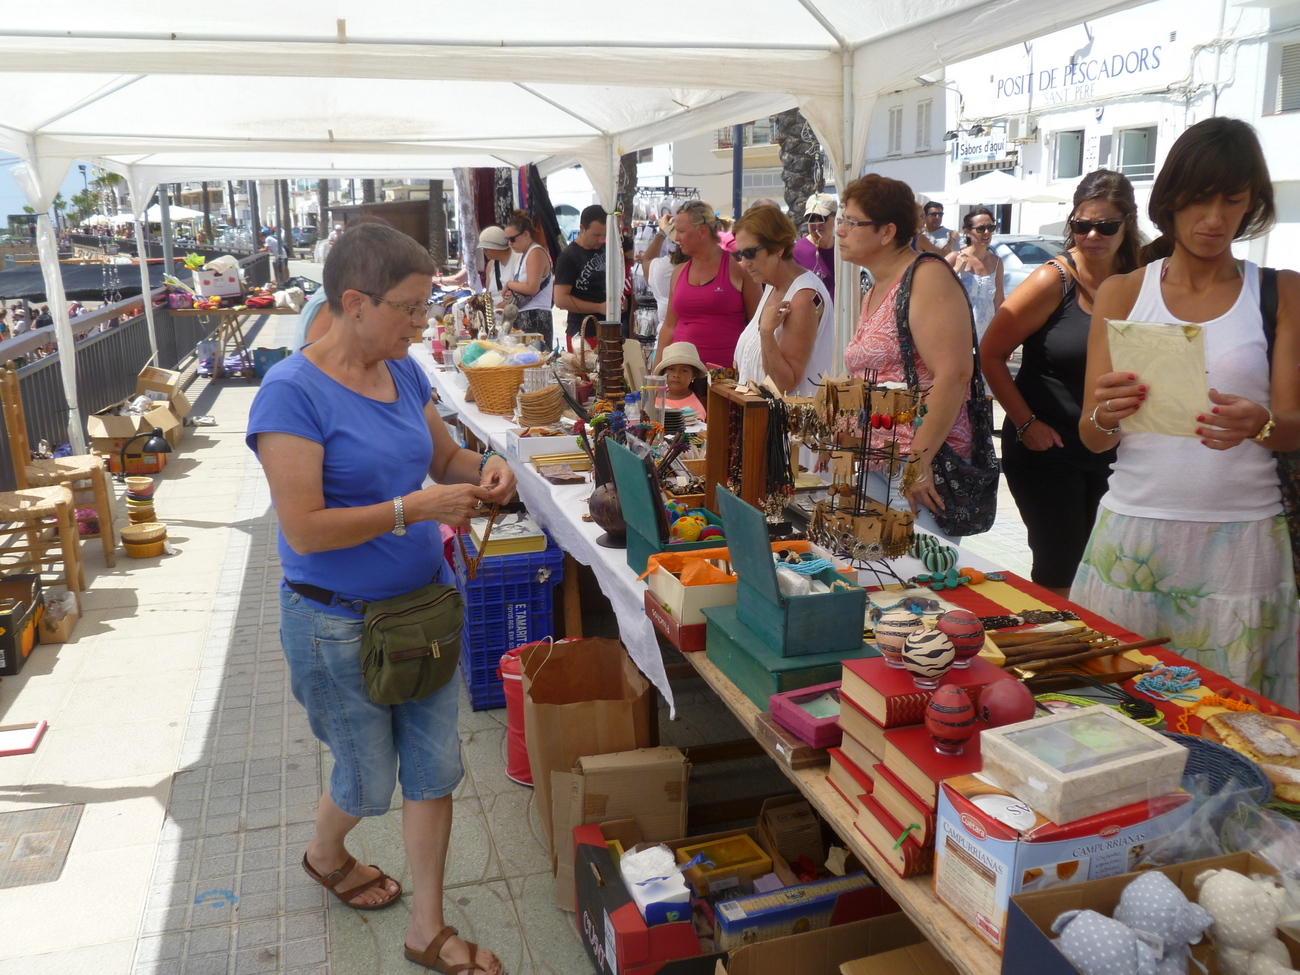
[[711, 299]]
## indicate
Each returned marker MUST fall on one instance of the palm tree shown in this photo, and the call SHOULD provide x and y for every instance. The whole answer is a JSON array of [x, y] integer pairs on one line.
[[114, 183], [85, 204], [60, 207], [801, 154]]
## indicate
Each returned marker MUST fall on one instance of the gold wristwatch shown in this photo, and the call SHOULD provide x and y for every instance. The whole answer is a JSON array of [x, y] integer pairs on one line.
[[1266, 429]]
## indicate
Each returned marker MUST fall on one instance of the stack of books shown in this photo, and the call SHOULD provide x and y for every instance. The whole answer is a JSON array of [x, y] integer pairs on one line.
[[887, 768]]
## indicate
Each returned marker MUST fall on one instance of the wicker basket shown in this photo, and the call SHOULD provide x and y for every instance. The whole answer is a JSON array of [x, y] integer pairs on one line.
[[1217, 765], [153, 531], [696, 465], [494, 387]]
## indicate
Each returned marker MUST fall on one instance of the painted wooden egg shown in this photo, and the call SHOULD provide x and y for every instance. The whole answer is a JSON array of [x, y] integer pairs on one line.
[[927, 655], [1005, 702], [950, 719], [965, 631], [892, 631]]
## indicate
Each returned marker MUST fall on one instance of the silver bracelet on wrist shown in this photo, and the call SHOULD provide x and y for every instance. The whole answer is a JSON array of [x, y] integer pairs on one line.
[[1108, 431]]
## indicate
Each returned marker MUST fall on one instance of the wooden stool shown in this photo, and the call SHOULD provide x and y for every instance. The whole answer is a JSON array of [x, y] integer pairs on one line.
[[43, 516], [84, 473]]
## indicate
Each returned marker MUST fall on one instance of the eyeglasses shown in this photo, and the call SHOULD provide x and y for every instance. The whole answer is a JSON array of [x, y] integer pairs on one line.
[[747, 253], [418, 312], [1107, 228], [511, 240], [984, 228], [846, 222]]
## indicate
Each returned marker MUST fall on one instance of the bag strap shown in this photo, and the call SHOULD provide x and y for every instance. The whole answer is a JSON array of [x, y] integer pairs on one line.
[[902, 308], [1268, 308]]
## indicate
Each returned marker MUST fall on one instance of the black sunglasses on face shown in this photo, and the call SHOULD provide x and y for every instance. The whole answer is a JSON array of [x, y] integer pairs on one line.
[[748, 253], [984, 228], [1107, 228], [511, 240]]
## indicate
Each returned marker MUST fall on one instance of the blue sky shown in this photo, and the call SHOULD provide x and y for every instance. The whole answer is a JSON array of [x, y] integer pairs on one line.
[[11, 197]]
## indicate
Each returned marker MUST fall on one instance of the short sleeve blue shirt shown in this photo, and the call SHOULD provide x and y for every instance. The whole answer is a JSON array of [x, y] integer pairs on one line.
[[374, 452]]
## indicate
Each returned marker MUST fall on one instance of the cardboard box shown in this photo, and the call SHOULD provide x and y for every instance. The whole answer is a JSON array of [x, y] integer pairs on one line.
[[18, 626], [787, 911], [525, 448], [824, 952], [792, 828], [989, 847], [60, 632], [1080, 763], [687, 639], [646, 786], [1029, 946], [153, 379], [918, 959], [216, 281]]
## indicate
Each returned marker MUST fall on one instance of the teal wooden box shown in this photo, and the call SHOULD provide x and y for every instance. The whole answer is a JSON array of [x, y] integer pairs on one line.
[[830, 622], [640, 498], [756, 670]]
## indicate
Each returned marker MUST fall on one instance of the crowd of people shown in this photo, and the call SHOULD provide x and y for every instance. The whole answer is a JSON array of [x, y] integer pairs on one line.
[[1178, 536]]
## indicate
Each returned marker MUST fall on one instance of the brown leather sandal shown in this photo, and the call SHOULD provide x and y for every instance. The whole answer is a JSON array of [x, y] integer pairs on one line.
[[431, 959], [331, 881]]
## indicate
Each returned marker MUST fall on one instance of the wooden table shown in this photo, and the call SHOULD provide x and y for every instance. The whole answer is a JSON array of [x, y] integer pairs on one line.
[[230, 328], [959, 944]]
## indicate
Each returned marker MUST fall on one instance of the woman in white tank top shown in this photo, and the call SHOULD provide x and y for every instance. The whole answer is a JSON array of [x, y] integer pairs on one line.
[[530, 285], [1190, 542]]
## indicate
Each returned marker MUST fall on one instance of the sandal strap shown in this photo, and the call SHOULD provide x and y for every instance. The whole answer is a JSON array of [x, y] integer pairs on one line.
[[336, 877]]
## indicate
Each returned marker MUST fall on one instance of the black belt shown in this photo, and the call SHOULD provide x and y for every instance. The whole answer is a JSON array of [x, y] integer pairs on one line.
[[326, 598]]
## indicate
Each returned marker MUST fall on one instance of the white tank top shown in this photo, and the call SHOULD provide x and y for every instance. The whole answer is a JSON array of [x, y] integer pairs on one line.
[[749, 347], [543, 297], [1178, 479]]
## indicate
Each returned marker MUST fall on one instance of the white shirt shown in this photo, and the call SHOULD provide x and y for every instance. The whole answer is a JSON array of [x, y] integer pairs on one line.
[[749, 347]]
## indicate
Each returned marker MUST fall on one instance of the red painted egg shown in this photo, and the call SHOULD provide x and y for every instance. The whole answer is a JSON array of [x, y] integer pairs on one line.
[[950, 719], [1006, 702], [965, 631]]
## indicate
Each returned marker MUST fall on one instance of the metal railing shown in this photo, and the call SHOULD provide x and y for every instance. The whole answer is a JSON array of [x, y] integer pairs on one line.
[[108, 363]]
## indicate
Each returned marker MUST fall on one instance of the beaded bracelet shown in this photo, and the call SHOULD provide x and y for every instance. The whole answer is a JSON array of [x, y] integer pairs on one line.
[[1020, 430], [486, 454]]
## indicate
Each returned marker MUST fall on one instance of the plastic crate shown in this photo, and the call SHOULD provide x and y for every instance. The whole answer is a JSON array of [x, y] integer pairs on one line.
[[507, 604]]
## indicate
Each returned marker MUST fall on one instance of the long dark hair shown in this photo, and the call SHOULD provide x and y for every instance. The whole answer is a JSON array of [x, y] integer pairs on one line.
[[1217, 155], [1108, 185]]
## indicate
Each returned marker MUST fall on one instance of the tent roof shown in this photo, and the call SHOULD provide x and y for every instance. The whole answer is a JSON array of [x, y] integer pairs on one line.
[[166, 92]]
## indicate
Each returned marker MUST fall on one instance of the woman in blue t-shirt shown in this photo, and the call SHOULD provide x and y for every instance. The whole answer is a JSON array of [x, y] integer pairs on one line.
[[347, 434]]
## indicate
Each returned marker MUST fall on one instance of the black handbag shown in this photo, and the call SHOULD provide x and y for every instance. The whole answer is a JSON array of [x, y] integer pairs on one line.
[[968, 488]]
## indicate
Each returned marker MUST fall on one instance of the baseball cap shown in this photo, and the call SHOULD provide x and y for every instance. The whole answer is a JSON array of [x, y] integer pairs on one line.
[[820, 204], [493, 238]]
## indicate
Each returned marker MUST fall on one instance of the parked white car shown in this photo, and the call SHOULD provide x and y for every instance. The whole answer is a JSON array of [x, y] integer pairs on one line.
[[1022, 254]]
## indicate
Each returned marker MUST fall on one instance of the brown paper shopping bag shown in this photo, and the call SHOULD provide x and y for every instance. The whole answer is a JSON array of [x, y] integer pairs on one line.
[[581, 697]]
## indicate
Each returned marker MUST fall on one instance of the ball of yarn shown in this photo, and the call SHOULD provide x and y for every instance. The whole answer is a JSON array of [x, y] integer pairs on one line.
[[713, 531], [488, 359], [472, 353], [525, 357], [688, 528], [676, 509]]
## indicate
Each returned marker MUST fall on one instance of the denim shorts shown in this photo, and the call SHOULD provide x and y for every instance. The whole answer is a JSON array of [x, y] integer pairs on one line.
[[374, 745]]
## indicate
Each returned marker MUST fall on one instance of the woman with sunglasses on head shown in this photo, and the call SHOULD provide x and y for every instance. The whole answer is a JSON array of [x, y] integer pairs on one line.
[[1190, 542], [347, 436], [978, 269], [791, 338], [530, 285], [1055, 480], [711, 298], [878, 219]]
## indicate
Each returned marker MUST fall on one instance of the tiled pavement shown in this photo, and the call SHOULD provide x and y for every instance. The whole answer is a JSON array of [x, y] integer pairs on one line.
[[170, 718]]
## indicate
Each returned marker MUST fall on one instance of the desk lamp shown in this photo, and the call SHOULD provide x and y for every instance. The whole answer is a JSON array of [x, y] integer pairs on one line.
[[156, 444]]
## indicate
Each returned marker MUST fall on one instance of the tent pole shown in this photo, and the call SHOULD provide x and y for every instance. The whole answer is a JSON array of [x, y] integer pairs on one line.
[[146, 294], [613, 235], [165, 207], [48, 250], [847, 293]]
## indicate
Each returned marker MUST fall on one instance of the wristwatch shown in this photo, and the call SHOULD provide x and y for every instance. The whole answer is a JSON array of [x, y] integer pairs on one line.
[[399, 529], [1266, 429]]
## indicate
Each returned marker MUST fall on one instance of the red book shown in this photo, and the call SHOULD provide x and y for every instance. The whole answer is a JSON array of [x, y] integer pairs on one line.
[[910, 755], [848, 780], [882, 831], [903, 804], [890, 697], [857, 724], [857, 753]]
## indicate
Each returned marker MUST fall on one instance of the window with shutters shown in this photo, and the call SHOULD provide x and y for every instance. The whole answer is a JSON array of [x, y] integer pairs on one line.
[[923, 110], [1288, 83], [1069, 154], [895, 131], [1137, 153]]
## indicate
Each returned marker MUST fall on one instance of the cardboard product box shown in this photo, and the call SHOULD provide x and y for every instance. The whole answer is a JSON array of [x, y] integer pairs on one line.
[[793, 828], [922, 958], [990, 846], [525, 448], [646, 786], [108, 432], [1029, 940], [168, 381], [1080, 763], [691, 638], [787, 911], [209, 281], [18, 624], [828, 951], [60, 632]]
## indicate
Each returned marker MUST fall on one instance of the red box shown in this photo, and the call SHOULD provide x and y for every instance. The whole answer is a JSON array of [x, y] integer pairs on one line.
[[688, 639]]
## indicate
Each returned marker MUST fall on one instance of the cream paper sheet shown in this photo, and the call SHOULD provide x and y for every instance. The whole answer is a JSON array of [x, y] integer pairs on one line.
[[1170, 361]]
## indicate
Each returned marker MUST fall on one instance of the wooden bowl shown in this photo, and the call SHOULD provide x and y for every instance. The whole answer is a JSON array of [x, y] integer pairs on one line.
[[146, 551]]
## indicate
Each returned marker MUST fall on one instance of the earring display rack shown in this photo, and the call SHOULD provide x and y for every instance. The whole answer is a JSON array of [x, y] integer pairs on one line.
[[737, 435]]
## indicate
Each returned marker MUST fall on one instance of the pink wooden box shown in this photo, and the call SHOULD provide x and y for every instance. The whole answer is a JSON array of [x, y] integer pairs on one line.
[[788, 711]]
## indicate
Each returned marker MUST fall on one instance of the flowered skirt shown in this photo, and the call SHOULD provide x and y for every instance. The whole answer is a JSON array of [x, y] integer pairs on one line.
[[1224, 594]]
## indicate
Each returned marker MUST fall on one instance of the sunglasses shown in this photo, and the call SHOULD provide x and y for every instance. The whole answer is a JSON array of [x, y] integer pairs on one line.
[[816, 218], [1107, 228], [984, 228], [511, 240], [748, 253]]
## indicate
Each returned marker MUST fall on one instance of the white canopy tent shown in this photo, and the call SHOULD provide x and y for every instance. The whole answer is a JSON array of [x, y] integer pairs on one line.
[[154, 214], [162, 92], [998, 188]]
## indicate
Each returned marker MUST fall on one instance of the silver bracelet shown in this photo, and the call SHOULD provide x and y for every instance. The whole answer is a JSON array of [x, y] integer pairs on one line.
[[1108, 431]]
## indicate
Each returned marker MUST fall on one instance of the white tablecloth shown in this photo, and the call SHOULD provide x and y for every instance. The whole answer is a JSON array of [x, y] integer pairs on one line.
[[559, 509]]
